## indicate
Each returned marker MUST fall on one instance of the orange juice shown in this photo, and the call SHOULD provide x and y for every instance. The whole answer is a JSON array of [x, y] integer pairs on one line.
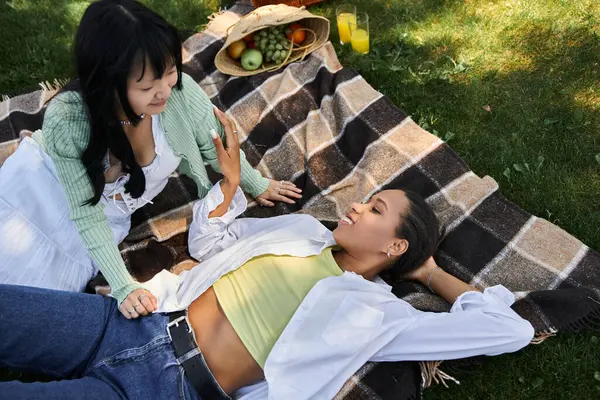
[[342, 20], [360, 41]]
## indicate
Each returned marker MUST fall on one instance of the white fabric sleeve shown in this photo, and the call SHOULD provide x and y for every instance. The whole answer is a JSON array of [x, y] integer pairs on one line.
[[477, 324], [208, 236]]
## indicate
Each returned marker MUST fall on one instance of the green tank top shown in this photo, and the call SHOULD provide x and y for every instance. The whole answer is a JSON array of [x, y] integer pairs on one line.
[[260, 297]]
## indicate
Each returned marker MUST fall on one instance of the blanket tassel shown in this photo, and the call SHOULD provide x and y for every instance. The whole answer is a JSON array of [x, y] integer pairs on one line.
[[540, 337], [55, 85], [431, 373]]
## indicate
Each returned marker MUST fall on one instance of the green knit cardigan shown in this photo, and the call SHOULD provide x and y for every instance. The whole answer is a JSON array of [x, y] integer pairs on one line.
[[186, 121]]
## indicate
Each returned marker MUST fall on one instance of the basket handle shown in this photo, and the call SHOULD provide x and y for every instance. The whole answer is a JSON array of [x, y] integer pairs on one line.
[[291, 49], [258, 18]]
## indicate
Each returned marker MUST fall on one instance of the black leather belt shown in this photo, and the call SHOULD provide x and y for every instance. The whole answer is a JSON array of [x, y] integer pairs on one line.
[[191, 359]]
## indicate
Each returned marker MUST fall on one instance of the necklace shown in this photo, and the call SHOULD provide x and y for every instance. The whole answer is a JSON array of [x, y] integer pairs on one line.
[[129, 122]]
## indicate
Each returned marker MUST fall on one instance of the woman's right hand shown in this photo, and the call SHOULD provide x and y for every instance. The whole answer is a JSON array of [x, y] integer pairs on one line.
[[139, 302], [228, 155], [422, 273]]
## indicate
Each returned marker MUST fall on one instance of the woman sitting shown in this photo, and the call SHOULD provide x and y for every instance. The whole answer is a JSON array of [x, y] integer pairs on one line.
[[278, 308], [108, 144]]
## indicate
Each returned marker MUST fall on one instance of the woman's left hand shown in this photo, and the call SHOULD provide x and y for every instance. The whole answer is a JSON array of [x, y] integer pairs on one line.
[[279, 191]]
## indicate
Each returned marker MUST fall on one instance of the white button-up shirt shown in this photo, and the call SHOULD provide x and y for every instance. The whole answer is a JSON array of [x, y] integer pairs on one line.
[[344, 321]]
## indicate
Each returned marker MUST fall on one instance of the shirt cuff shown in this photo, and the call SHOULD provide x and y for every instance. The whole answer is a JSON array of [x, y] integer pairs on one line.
[[495, 295], [212, 200]]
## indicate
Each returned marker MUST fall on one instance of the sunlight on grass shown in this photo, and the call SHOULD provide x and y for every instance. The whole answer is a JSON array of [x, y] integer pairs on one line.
[[75, 10], [588, 97]]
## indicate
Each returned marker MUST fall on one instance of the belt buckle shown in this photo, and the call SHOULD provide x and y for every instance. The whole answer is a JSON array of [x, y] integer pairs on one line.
[[176, 322]]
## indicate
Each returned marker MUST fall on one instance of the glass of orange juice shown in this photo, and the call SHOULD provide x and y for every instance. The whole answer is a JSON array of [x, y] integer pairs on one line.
[[346, 14], [359, 33]]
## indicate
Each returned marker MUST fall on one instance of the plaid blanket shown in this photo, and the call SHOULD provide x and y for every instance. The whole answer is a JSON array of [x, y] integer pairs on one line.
[[326, 129]]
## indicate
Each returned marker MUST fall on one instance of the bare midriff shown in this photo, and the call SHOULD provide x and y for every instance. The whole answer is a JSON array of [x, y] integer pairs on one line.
[[226, 356]]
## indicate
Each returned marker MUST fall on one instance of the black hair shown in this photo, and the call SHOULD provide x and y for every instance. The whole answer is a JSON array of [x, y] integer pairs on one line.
[[420, 227], [113, 37]]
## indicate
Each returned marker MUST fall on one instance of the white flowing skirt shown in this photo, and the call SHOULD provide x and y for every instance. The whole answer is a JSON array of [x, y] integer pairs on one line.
[[39, 244]]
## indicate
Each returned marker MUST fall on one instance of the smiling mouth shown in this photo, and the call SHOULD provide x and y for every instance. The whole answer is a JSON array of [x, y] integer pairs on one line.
[[346, 221]]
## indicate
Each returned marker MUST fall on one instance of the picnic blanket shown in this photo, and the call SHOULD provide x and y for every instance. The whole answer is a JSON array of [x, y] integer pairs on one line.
[[325, 128]]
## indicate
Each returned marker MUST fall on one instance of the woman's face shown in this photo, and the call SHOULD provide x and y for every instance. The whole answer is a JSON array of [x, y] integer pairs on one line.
[[148, 94], [370, 228]]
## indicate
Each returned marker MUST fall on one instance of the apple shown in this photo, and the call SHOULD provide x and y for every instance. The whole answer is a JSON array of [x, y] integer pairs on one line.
[[236, 49], [251, 59]]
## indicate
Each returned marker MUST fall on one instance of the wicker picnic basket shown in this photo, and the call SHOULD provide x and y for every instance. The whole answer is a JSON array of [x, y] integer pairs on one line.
[[293, 3], [317, 35]]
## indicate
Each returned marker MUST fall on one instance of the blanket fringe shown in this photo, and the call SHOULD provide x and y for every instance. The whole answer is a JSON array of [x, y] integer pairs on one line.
[[590, 321], [431, 373], [543, 335], [211, 18], [52, 86]]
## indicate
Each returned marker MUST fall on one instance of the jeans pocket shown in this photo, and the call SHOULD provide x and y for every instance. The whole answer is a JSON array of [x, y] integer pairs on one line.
[[138, 354]]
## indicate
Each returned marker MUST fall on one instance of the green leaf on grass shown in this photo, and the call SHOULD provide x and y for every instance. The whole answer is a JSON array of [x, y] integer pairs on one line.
[[597, 375], [594, 339], [578, 115], [551, 121], [519, 167], [449, 135], [598, 158], [506, 173], [537, 382], [540, 161]]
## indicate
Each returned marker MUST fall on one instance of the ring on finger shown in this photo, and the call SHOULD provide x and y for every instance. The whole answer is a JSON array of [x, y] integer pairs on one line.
[[141, 296], [136, 305], [131, 311]]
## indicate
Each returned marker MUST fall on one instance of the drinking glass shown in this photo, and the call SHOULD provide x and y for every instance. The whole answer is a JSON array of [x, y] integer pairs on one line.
[[345, 14], [359, 33]]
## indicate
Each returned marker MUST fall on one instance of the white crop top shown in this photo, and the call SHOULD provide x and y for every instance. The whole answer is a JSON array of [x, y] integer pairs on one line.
[[157, 175]]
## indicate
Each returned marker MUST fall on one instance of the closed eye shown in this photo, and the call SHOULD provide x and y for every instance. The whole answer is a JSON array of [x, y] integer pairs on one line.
[[376, 211]]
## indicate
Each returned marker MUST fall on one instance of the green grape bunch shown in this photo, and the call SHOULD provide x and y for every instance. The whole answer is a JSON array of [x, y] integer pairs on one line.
[[272, 43]]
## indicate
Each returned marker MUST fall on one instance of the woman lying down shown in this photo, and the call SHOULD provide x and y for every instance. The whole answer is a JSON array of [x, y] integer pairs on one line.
[[278, 308]]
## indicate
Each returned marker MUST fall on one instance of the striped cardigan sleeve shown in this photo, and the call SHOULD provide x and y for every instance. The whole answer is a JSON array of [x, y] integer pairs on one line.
[[201, 108], [65, 134]]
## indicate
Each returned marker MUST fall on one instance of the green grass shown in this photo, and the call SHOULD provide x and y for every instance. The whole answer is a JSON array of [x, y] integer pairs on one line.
[[37, 35], [534, 63]]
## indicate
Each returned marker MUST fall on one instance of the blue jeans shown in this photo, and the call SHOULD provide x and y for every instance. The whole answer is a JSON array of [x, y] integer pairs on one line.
[[83, 341]]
